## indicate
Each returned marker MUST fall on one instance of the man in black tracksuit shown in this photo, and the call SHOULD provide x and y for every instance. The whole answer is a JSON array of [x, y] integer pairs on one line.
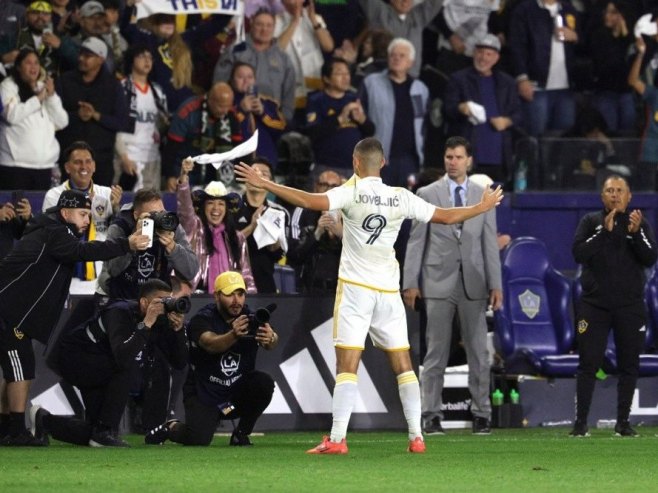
[[101, 356], [34, 283], [614, 247]]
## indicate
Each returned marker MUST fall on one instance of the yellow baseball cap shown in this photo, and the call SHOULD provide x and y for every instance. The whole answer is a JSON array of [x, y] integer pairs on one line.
[[228, 282], [40, 6]]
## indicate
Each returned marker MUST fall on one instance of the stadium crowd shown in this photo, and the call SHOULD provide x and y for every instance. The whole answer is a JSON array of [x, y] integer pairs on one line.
[[97, 101]]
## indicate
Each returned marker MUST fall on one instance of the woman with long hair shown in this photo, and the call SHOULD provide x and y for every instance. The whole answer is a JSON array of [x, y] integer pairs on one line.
[[32, 112], [172, 64], [207, 218]]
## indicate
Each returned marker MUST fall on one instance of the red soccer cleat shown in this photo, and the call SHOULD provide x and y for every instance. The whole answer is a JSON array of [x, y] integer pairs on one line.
[[416, 446], [329, 447]]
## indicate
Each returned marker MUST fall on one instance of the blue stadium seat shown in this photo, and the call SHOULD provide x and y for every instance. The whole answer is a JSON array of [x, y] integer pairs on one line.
[[534, 328], [285, 280]]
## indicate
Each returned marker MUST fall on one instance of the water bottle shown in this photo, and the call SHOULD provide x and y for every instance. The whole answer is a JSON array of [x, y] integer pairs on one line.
[[521, 177], [515, 410], [513, 396], [497, 398]]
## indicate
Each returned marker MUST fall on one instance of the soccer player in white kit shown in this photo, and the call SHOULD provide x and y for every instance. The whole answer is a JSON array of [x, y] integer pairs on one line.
[[368, 297]]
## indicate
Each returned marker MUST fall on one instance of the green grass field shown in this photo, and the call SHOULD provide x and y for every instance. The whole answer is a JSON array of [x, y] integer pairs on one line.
[[508, 460]]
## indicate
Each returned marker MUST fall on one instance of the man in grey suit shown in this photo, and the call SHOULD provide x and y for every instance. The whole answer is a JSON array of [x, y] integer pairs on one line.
[[454, 269]]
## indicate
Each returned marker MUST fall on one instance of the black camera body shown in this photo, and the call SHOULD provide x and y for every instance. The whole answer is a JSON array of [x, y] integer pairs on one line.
[[178, 305], [259, 318], [164, 221]]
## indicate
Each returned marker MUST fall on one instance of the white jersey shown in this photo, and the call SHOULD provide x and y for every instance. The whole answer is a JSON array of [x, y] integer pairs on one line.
[[101, 215], [372, 217]]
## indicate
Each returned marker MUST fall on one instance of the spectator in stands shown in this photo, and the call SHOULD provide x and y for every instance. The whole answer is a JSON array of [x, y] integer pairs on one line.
[[172, 66], [648, 165], [111, 34], [615, 247], [304, 37], [461, 23], [542, 55], [137, 161], [482, 105], [397, 104], [275, 74], [96, 106], [105, 202], [102, 357], [64, 22], [404, 20], [345, 20], [13, 219], [11, 14], [170, 251], [609, 45], [203, 124], [223, 382], [207, 216], [316, 242], [255, 205], [36, 34], [32, 112], [91, 19], [257, 111], [372, 56], [335, 119]]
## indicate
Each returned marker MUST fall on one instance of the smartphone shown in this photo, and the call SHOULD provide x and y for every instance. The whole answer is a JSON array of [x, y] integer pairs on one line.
[[147, 229], [252, 90], [16, 197]]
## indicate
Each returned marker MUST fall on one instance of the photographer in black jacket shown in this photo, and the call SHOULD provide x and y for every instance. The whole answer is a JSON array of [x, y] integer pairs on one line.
[[614, 247], [100, 357], [222, 382], [34, 283]]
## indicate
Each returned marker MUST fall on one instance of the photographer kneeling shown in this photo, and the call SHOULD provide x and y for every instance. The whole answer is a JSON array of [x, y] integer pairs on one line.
[[222, 382], [99, 358]]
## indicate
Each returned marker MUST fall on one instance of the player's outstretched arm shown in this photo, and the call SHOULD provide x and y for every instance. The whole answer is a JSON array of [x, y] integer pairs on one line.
[[300, 198], [490, 199]]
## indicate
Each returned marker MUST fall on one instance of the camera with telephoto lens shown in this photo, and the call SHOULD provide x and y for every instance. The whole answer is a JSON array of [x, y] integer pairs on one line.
[[259, 318], [164, 221], [178, 305]]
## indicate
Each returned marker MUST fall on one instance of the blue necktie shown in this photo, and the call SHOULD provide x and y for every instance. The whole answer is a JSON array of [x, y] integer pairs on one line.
[[458, 197]]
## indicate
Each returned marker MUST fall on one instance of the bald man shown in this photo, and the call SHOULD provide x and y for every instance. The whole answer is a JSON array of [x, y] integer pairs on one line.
[[202, 124]]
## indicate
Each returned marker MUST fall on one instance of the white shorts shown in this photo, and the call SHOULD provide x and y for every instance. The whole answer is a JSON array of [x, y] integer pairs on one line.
[[360, 311]]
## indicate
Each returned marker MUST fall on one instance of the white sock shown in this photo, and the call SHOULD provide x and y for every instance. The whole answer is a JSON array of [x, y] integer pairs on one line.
[[342, 405], [410, 398]]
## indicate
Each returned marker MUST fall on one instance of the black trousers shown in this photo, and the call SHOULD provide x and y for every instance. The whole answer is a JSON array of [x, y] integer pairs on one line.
[[104, 388], [593, 327], [250, 395]]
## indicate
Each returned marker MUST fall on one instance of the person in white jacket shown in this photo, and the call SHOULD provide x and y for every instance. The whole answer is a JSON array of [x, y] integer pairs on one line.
[[32, 113]]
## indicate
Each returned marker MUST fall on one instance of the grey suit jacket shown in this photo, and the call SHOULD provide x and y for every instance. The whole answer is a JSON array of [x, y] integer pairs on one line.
[[435, 252]]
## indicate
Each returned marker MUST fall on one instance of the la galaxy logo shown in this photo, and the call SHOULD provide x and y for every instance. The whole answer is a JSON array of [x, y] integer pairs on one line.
[[145, 264], [230, 363], [530, 303], [18, 333], [582, 326]]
